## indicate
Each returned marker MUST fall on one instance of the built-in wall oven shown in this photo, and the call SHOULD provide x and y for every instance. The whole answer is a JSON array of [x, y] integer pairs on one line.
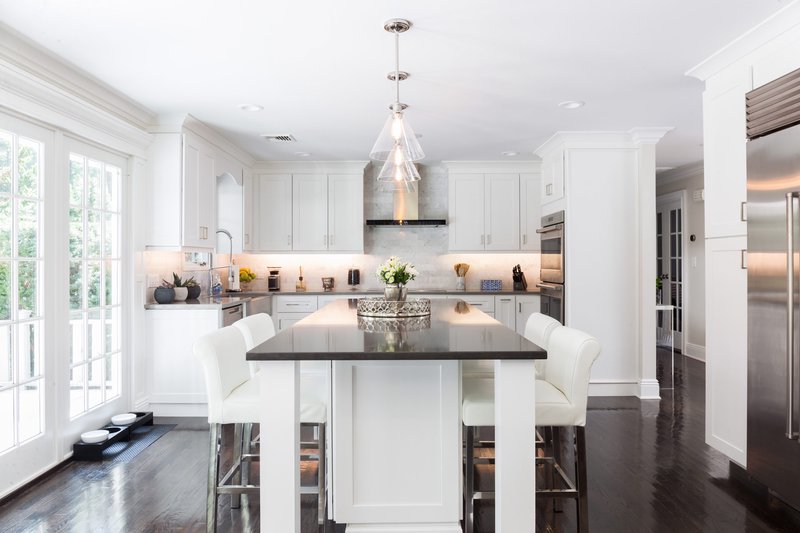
[[551, 272]]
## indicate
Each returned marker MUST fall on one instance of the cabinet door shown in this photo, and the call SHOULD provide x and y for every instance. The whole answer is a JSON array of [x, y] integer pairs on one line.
[[346, 213], [249, 243], [466, 205], [505, 312], [552, 178], [310, 212], [527, 304], [725, 157], [274, 224], [726, 347], [501, 215], [192, 231], [530, 211]]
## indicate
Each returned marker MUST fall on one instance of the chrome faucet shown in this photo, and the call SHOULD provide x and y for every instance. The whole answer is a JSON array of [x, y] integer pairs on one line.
[[211, 266]]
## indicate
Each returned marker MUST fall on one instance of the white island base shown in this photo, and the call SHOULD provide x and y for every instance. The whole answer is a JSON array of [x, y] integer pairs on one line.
[[396, 446]]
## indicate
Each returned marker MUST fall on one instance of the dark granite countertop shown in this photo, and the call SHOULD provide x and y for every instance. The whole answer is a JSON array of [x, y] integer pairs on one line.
[[454, 330]]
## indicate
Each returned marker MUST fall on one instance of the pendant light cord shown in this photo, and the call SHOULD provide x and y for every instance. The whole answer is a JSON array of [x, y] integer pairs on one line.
[[397, 65]]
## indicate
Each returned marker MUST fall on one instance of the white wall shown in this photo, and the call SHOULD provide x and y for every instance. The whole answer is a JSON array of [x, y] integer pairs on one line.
[[689, 178]]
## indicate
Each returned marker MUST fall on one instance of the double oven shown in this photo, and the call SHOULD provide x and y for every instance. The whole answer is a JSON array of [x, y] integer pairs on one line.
[[551, 273]]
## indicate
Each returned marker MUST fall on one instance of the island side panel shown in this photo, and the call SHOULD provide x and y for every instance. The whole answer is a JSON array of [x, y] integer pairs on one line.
[[396, 448]]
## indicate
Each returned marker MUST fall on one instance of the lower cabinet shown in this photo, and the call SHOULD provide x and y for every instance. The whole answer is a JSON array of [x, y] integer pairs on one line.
[[176, 382], [292, 308], [526, 305]]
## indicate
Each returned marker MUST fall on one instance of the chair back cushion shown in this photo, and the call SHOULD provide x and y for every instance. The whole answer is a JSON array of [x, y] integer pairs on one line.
[[570, 355], [222, 354], [538, 329], [255, 329]]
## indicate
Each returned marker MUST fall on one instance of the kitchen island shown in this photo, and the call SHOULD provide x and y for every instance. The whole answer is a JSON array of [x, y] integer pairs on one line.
[[395, 420]]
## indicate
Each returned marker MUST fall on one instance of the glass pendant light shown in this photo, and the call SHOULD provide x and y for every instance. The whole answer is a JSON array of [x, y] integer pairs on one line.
[[397, 144]]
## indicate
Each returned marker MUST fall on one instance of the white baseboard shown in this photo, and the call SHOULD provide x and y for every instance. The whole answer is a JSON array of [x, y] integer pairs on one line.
[[613, 388], [649, 390], [179, 409], [695, 351]]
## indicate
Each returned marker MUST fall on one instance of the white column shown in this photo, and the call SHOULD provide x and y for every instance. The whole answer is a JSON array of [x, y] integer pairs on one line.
[[645, 140], [280, 446], [515, 446]]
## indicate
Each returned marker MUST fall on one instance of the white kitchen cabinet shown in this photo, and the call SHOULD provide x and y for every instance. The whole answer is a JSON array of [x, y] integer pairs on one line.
[[176, 382], [181, 174], [726, 347], [505, 310], [526, 305], [484, 212], [346, 213], [309, 212], [306, 212], [725, 154], [273, 217], [292, 308], [530, 211], [501, 215], [552, 188], [466, 212], [249, 243]]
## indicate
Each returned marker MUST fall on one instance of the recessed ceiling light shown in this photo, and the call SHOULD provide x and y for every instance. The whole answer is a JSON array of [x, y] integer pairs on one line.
[[251, 107], [509, 153], [303, 154], [571, 104]]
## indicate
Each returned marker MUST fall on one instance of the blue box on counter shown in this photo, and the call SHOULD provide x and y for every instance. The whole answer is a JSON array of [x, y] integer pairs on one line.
[[491, 285]]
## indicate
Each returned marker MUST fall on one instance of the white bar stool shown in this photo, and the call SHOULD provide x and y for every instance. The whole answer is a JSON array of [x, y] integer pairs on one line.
[[560, 402]]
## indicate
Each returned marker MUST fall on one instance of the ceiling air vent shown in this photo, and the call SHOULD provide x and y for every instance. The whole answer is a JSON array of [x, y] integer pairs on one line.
[[280, 138]]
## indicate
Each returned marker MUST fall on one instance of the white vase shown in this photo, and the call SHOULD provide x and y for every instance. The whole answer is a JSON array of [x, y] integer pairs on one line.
[[181, 293], [461, 283]]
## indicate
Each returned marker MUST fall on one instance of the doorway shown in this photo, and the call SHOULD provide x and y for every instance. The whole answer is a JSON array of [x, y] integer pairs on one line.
[[670, 254]]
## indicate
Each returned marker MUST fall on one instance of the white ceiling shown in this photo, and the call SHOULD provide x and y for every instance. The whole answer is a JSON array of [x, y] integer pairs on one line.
[[485, 75]]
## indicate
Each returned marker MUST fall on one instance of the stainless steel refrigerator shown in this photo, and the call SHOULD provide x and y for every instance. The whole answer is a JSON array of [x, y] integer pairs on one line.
[[773, 278]]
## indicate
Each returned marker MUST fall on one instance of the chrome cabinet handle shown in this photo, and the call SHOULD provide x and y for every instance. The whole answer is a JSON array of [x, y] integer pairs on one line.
[[330, 240], [488, 238], [743, 211], [744, 259], [289, 240], [791, 199], [482, 239], [520, 307], [324, 240], [524, 238]]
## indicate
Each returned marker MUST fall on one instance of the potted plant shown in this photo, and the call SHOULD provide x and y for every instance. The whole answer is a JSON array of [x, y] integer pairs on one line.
[[165, 294], [193, 289], [181, 291], [396, 273]]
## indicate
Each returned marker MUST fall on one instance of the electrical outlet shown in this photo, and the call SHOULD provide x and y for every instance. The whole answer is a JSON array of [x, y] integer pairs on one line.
[[694, 261]]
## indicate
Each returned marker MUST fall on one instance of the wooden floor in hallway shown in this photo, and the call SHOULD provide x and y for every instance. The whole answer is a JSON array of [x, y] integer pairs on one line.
[[649, 471]]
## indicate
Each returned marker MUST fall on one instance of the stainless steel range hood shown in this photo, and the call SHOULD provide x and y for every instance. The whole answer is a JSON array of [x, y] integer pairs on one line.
[[406, 212]]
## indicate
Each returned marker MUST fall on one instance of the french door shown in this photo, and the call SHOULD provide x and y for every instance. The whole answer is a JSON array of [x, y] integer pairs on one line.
[[670, 258], [62, 362], [27, 366]]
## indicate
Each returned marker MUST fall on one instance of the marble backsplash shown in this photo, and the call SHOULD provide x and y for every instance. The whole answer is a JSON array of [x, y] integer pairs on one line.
[[425, 247]]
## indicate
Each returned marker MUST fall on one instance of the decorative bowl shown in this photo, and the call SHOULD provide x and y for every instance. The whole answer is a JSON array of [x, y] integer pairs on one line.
[[123, 419], [95, 436]]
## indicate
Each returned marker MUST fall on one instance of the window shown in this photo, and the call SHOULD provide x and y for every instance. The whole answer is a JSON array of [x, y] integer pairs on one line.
[[94, 282], [21, 263]]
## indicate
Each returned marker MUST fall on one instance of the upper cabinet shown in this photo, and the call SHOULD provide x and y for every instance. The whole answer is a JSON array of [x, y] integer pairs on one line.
[[552, 187], [493, 211], [194, 188], [306, 211]]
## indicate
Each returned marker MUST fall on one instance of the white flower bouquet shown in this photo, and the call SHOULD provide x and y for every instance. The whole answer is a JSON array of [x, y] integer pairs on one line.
[[396, 271]]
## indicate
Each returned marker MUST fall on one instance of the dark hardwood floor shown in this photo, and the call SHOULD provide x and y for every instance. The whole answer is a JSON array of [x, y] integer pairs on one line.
[[649, 471]]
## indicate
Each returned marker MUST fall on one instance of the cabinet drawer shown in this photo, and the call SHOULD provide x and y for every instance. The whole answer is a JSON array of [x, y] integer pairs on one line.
[[484, 303], [296, 304]]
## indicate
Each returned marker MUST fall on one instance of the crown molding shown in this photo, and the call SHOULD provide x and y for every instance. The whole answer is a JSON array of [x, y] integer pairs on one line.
[[778, 23], [688, 171], [309, 167], [486, 167], [648, 135], [27, 57]]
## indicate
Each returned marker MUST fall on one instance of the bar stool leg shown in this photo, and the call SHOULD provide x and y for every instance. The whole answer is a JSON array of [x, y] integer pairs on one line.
[[236, 498], [469, 480], [321, 476], [580, 474], [557, 459], [247, 435], [213, 476]]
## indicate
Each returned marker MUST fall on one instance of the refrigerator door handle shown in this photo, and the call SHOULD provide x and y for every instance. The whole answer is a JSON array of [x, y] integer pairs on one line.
[[791, 200]]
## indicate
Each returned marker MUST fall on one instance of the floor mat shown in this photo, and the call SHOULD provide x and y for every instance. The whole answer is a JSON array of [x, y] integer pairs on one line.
[[141, 438]]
